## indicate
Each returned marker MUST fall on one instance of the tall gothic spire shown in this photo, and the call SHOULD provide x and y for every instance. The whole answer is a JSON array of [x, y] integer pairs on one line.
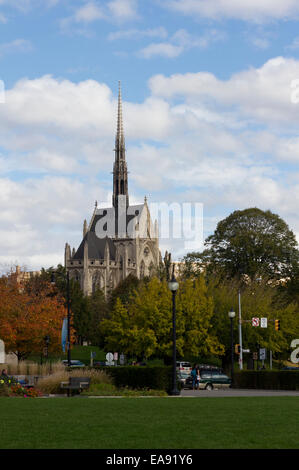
[[120, 138], [120, 172]]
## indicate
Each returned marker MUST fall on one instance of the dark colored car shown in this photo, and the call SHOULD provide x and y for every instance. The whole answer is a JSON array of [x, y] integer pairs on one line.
[[290, 368], [74, 363], [210, 379]]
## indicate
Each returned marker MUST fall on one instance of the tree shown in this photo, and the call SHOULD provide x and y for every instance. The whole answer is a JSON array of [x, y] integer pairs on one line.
[[98, 310], [252, 242], [78, 301], [143, 326], [124, 290], [192, 266], [259, 299], [26, 318]]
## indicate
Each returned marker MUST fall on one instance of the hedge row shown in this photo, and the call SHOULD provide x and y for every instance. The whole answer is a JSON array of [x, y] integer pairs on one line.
[[267, 380], [140, 377]]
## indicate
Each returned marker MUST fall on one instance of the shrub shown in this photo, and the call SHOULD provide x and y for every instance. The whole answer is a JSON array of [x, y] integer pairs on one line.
[[267, 379], [112, 390], [139, 377]]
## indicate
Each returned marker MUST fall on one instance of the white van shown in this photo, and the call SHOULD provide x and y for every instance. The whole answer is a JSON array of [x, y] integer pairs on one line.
[[183, 366]]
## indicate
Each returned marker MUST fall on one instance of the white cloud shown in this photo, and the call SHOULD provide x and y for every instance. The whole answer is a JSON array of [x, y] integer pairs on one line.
[[18, 45], [3, 18], [91, 11], [123, 10], [138, 33], [164, 49], [264, 94], [295, 44], [260, 43], [213, 145], [88, 13], [180, 42], [26, 5], [248, 10]]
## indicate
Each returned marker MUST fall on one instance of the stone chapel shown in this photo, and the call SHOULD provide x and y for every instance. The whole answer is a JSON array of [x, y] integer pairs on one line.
[[119, 240]]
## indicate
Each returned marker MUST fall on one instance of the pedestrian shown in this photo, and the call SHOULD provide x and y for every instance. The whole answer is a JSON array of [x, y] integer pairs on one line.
[[4, 373], [194, 376], [197, 377]]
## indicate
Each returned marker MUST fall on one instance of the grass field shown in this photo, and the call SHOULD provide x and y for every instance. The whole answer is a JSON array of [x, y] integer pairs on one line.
[[149, 423]]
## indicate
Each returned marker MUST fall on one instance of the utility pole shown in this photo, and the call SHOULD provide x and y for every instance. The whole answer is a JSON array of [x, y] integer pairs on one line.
[[240, 333]]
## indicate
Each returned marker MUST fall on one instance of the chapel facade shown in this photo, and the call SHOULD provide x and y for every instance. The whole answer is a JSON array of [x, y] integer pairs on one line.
[[119, 240]]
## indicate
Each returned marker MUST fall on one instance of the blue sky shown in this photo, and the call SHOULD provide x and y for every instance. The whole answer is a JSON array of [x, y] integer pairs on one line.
[[210, 113]]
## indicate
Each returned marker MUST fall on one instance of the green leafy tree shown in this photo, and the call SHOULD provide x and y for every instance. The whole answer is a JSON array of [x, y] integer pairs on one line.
[[123, 290], [192, 266], [143, 327], [98, 310], [258, 299], [252, 242]]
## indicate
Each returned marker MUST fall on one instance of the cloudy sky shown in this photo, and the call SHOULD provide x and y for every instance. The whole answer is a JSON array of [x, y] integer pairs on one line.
[[211, 112]]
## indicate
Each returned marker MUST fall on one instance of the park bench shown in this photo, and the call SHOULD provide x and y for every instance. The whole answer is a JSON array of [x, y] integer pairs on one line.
[[75, 383]]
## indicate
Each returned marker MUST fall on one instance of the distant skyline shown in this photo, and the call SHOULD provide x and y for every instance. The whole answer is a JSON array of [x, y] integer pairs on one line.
[[208, 102]]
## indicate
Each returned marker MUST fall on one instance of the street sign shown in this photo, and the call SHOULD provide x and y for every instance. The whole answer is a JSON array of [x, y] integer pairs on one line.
[[122, 359], [109, 359], [255, 356], [264, 322], [93, 354], [263, 354], [246, 350], [115, 356], [255, 321]]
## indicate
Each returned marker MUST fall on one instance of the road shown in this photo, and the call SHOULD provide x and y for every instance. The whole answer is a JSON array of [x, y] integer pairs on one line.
[[238, 393]]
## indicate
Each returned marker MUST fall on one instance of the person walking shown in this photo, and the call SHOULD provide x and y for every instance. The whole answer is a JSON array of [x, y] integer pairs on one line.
[[197, 377], [194, 377]]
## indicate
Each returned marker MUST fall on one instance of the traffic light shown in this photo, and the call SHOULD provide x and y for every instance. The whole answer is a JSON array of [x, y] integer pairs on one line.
[[237, 348], [277, 325]]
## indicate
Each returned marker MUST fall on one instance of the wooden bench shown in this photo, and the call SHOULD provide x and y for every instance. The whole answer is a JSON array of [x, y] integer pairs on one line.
[[75, 383]]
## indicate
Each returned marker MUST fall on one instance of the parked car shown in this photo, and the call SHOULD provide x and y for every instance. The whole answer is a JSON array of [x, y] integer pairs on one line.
[[290, 368], [210, 379], [182, 377], [74, 363], [183, 366]]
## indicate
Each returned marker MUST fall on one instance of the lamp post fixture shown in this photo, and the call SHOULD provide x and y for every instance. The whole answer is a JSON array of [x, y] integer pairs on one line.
[[67, 277], [173, 285], [232, 315]]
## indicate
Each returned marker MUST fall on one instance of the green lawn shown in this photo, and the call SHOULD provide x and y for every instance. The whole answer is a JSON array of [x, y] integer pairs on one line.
[[149, 423]]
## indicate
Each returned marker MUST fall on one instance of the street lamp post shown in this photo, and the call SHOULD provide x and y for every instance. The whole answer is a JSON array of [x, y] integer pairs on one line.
[[68, 314], [232, 315], [47, 341], [173, 286]]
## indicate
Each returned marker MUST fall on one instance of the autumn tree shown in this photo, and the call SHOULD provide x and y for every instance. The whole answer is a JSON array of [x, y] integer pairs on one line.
[[26, 318]]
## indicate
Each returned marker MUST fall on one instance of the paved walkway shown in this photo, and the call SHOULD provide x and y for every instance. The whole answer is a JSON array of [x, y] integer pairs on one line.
[[239, 393]]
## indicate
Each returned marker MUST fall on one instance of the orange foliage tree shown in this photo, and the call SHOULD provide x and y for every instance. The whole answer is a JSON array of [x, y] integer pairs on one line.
[[26, 317]]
